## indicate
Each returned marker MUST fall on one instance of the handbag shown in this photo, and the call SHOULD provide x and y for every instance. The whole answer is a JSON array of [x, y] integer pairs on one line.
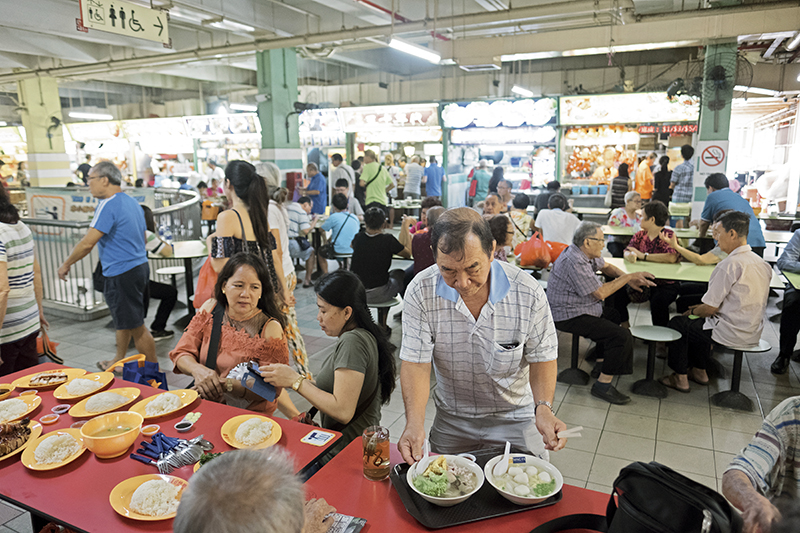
[[98, 279], [654, 498], [328, 250], [206, 281], [213, 341], [533, 252], [47, 348], [555, 249], [136, 370], [303, 243]]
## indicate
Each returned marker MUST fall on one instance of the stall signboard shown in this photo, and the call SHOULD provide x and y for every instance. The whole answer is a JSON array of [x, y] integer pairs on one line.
[[11, 135], [321, 127], [496, 136], [222, 125], [627, 108], [674, 129], [123, 18], [404, 135], [508, 113], [95, 131], [154, 127], [357, 119]]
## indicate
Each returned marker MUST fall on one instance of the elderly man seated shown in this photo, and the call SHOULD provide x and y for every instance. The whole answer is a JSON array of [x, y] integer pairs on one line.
[[766, 468], [732, 312], [576, 294], [247, 491]]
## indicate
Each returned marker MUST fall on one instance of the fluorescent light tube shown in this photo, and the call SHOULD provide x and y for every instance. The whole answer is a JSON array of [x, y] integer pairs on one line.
[[516, 89], [91, 116], [755, 90], [415, 50], [244, 107]]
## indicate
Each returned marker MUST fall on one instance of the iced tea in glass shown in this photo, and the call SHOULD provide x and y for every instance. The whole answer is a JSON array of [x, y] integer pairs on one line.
[[376, 453]]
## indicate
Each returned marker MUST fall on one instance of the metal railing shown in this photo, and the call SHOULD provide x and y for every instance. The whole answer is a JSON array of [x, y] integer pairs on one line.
[[179, 210]]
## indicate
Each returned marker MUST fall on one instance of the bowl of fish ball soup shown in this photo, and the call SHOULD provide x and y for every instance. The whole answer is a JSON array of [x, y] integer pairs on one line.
[[110, 435], [448, 480], [528, 480]]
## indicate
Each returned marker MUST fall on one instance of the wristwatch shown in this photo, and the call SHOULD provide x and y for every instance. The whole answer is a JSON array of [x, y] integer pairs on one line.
[[645, 256], [543, 402], [229, 384], [298, 382]]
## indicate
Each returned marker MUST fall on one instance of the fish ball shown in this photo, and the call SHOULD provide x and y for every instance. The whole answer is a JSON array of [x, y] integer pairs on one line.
[[514, 471], [522, 490], [521, 478], [544, 477]]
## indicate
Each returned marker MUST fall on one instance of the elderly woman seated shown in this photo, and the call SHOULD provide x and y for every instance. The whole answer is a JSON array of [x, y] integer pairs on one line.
[[251, 330], [629, 216]]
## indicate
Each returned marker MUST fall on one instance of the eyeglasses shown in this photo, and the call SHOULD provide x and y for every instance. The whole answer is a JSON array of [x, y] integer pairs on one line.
[[595, 239]]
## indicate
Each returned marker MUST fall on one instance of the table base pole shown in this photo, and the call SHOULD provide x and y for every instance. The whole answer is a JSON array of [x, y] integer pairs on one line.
[[573, 376]]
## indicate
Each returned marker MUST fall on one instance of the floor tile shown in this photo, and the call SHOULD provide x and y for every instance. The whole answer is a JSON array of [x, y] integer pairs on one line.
[[730, 441], [579, 415], [686, 434], [690, 414], [606, 489], [582, 396], [574, 482], [606, 469], [721, 461], [686, 458], [726, 419], [587, 442], [635, 425], [639, 405], [572, 463], [626, 446]]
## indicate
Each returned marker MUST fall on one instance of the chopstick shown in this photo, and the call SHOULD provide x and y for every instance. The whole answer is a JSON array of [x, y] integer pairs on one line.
[[570, 433]]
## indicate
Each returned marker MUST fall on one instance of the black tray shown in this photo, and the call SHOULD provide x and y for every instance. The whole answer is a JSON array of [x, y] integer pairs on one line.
[[486, 503]]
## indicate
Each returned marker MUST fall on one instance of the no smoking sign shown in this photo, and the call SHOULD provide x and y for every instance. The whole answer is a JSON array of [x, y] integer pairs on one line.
[[713, 156]]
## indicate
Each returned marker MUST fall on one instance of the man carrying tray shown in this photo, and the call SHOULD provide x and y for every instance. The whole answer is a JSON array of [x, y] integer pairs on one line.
[[485, 328]]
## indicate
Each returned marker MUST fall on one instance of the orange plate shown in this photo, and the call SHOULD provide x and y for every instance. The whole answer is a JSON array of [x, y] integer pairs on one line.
[[29, 455], [104, 378], [79, 409], [25, 381], [229, 428], [186, 397], [120, 497], [32, 401], [36, 430]]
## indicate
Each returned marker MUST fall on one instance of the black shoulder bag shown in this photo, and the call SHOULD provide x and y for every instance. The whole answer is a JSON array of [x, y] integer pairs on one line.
[[213, 344], [361, 192], [328, 250]]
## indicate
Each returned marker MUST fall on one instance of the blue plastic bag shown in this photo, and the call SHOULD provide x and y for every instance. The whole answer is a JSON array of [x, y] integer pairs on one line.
[[148, 374]]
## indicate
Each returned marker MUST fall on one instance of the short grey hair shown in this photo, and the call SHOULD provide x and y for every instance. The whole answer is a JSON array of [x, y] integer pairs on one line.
[[482, 163], [585, 230], [107, 169], [270, 172], [243, 491], [313, 165], [630, 195]]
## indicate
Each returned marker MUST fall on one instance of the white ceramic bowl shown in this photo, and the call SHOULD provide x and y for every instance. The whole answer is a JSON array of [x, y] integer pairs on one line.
[[449, 502], [529, 460]]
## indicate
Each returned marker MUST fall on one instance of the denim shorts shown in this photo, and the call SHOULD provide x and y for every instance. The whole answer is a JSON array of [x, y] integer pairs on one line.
[[125, 297]]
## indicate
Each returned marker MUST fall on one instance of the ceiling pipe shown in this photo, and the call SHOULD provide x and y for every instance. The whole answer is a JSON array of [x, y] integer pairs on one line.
[[397, 16]]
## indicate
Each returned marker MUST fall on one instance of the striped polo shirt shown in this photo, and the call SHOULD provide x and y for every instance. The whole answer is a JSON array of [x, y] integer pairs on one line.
[[22, 313]]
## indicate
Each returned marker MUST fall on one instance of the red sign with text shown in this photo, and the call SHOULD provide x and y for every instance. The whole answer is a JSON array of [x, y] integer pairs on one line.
[[669, 128]]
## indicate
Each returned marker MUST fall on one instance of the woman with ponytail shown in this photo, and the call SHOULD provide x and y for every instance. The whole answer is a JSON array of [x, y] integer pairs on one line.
[[245, 227], [359, 376]]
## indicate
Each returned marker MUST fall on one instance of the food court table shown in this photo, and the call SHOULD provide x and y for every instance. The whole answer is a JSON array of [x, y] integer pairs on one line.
[[793, 277], [188, 251], [343, 485], [76, 495], [684, 271], [681, 233]]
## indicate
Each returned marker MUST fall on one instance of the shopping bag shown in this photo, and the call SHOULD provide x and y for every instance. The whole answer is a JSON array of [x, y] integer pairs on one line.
[[210, 211], [555, 249], [143, 372], [533, 252], [46, 347], [206, 281]]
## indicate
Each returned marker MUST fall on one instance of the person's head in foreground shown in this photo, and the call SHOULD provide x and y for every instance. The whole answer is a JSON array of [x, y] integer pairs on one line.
[[633, 201], [589, 238], [342, 306], [716, 182], [655, 216], [243, 491], [342, 186], [374, 218], [492, 204], [558, 201], [104, 180], [463, 247], [733, 230], [243, 287], [521, 202], [502, 230], [339, 202], [305, 203]]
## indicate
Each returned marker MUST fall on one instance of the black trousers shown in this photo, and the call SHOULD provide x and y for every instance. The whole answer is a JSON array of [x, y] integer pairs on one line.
[[660, 298], [690, 294], [614, 343], [19, 355], [790, 321], [168, 296], [693, 349], [617, 248]]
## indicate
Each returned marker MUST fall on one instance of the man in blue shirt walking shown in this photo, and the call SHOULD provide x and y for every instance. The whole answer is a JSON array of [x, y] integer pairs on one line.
[[317, 189], [721, 197], [434, 175]]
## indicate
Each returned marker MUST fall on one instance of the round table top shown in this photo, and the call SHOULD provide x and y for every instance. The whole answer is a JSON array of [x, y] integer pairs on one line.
[[655, 333], [169, 271]]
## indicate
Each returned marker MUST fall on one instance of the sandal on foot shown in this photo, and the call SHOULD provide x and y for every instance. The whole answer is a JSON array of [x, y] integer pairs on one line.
[[671, 381], [692, 378], [105, 365]]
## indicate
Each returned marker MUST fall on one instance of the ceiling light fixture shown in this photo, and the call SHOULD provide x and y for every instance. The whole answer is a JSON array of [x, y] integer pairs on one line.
[[244, 107], [3, 123], [516, 89], [415, 50], [755, 90], [90, 116], [791, 45], [232, 26]]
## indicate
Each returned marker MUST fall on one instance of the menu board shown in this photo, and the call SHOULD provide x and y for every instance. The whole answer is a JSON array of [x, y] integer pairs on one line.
[[95, 131], [326, 120], [521, 135], [10, 135], [222, 125], [356, 119], [628, 108], [154, 127], [508, 113]]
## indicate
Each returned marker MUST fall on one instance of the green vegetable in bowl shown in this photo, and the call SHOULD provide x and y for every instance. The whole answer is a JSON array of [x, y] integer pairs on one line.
[[432, 484], [543, 489]]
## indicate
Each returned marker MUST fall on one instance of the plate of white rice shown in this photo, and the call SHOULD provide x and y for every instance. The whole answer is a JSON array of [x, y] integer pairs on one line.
[[83, 386], [251, 431], [165, 403], [148, 498], [15, 408], [104, 402], [54, 450]]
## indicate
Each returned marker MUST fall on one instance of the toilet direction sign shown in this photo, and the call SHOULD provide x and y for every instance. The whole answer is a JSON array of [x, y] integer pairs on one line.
[[127, 19]]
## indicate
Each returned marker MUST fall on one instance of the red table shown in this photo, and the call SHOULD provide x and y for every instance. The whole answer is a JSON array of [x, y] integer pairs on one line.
[[77, 494], [343, 485]]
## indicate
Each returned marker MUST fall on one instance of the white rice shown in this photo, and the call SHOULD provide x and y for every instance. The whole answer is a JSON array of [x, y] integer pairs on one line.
[[11, 409], [254, 431], [155, 498], [56, 448], [105, 401], [80, 386], [164, 403]]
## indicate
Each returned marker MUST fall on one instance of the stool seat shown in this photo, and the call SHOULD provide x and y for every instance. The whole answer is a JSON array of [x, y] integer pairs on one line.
[[655, 333], [574, 375], [389, 303], [762, 346], [171, 271], [343, 256]]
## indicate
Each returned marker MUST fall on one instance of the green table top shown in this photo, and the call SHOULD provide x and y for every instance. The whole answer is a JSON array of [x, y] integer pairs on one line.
[[680, 211], [683, 233], [794, 279], [591, 210], [764, 216], [684, 271], [780, 237], [189, 250]]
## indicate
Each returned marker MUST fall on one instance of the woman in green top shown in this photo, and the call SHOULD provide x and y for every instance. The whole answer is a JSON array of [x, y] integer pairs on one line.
[[359, 376]]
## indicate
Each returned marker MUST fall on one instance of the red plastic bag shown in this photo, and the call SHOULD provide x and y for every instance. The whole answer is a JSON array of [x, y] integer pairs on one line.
[[555, 249], [206, 281], [533, 252], [473, 188]]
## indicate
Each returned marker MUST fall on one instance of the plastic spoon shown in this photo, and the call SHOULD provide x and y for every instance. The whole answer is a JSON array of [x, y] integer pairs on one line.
[[422, 464], [502, 467]]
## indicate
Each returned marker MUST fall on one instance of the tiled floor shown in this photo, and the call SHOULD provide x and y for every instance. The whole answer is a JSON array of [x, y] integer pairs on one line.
[[682, 431]]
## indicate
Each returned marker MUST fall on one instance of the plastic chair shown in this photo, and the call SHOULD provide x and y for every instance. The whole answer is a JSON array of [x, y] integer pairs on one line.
[[733, 399], [649, 386], [574, 375], [383, 308]]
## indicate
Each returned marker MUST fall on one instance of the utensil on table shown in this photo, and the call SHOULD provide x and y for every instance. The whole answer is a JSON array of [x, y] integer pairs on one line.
[[502, 467]]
